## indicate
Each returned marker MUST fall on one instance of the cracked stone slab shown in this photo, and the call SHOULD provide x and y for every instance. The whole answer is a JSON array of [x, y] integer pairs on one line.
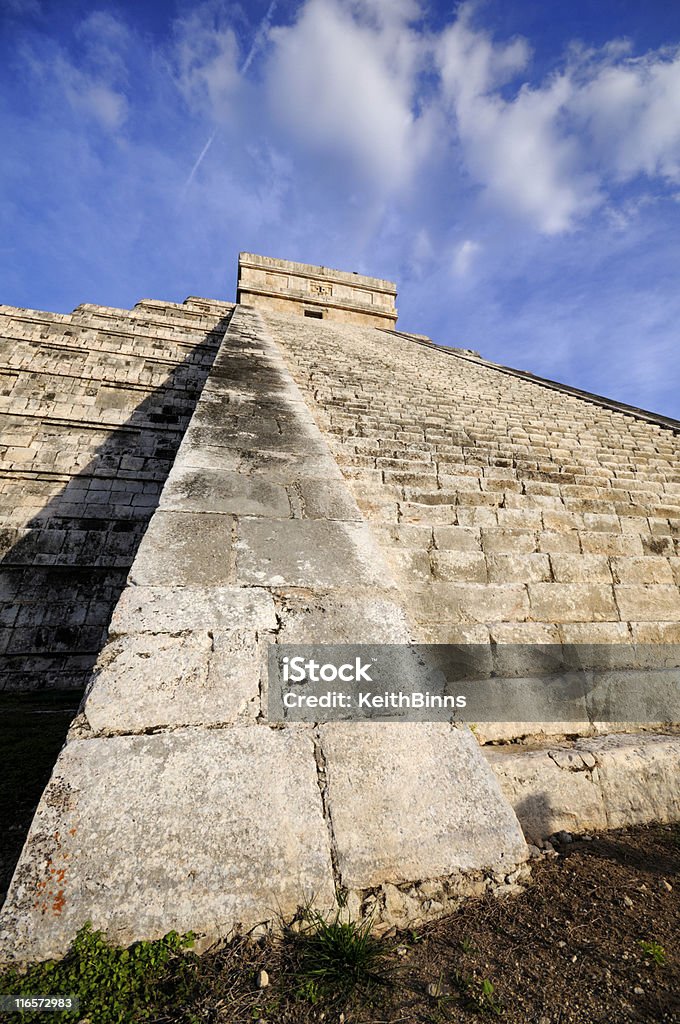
[[341, 620], [323, 499], [152, 680], [278, 467], [171, 609], [307, 553], [414, 801], [219, 490], [184, 548], [203, 830]]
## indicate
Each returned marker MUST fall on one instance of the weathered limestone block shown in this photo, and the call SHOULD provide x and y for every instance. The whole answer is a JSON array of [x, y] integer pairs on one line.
[[651, 603], [512, 542], [634, 775], [218, 490], [307, 553], [525, 568], [170, 555], [572, 602], [546, 797], [463, 566], [171, 609], [153, 680], [413, 801], [340, 619], [609, 782], [471, 602], [580, 568], [141, 834], [456, 538]]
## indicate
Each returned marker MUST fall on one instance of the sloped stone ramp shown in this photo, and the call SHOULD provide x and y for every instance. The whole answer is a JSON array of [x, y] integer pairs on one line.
[[174, 804]]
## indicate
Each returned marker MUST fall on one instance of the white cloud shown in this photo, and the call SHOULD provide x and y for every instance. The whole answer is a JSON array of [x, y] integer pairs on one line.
[[515, 147], [550, 151], [342, 80], [464, 257], [20, 8], [631, 112], [206, 64], [94, 84]]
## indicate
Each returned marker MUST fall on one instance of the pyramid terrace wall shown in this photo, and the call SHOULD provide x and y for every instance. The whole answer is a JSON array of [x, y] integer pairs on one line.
[[93, 406], [339, 483]]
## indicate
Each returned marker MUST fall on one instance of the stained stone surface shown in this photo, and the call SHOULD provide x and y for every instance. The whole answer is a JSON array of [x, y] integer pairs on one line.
[[315, 554], [169, 553], [192, 829]]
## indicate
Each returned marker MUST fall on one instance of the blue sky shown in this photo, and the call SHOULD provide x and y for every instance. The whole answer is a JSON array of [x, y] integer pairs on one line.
[[513, 165]]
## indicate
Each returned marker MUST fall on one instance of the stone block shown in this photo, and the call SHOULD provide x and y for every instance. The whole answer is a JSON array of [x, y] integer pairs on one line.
[[184, 549], [332, 619], [520, 519], [649, 603], [597, 543], [594, 633], [459, 566], [412, 512], [552, 541], [548, 797], [512, 542], [148, 681], [658, 545], [580, 568], [172, 609], [522, 568], [656, 632], [453, 633], [412, 817], [313, 498], [218, 490], [403, 536], [645, 569], [307, 553], [470, 602], [413, 565], [638, 778], [524, 633], [572, 602], [202, 830], [457, 538]]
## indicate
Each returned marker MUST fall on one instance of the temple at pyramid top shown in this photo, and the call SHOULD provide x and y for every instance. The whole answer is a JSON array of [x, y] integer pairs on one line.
[[317, 292]]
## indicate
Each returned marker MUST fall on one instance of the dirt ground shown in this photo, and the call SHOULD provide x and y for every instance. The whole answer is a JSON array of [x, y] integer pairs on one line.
[[567, 951]]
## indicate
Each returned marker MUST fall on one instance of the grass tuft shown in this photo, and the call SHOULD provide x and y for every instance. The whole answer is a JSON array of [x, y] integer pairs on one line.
[[336, 958]]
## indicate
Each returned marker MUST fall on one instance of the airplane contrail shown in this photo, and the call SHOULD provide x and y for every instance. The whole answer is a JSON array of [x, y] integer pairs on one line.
[[261, 32], [258, 39], [199, 161]]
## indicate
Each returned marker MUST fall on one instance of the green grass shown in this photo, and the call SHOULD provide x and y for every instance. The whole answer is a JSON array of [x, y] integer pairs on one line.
[[653, 950], [114, 985], [336, 958]]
